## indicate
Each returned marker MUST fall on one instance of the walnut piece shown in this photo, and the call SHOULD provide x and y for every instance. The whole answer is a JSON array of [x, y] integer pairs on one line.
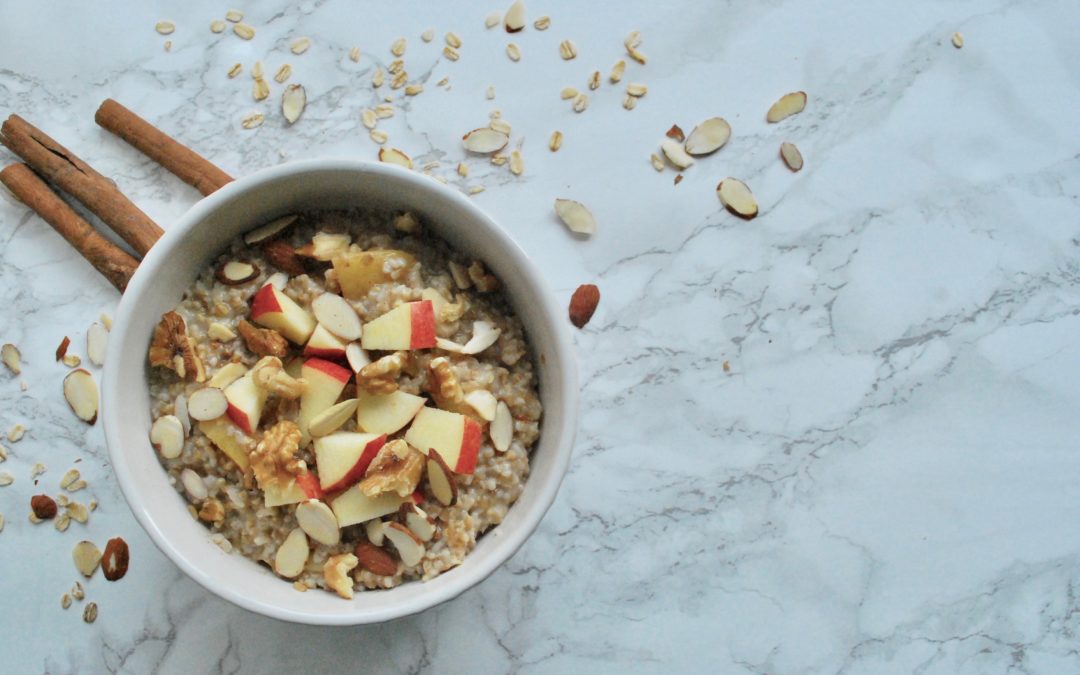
[[262, 341], [172, 348], [270, 375], [336, 574], [484, 282], [212, 511], [274, 460], [380, 377], [397, 468], [444, 384], [451, 312]]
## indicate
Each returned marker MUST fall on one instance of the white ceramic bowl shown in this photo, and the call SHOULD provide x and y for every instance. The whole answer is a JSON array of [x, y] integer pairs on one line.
[[190, 245]]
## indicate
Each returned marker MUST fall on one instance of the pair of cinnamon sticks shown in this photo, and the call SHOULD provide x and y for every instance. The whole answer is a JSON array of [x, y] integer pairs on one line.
[[45, 159]]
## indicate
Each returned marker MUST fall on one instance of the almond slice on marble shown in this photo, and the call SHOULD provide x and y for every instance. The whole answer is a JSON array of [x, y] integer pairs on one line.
[[86, 557], [167, 436], [676, 154], [61, 349], [583, 303], [409, 547], [736, 196], [269, 230], [97, 339], [791, 156], [483, 402], [81, 393], [441, 479], [708, 137], [502, 428], [357, 356], [337, 316], [292, 555], [236, 272], [331, 419], [219, 332], [318, 521], [293, 102], [484, 335], [11, 357], [514, 19], [786, 106], [395, 156], [575, 216], [485, 140], [115, 559], [208, 403]]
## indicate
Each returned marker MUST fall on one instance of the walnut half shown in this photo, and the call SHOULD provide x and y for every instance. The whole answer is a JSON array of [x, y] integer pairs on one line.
[[397, 468], [336, 574], [262, 341], [274, 459], [174, 349], [380, 377]]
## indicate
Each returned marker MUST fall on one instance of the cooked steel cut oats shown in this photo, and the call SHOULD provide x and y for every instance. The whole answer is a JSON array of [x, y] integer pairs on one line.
[[417, 351]]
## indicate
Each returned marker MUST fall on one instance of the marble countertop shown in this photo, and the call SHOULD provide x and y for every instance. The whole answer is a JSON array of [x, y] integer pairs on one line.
[[841, 437]]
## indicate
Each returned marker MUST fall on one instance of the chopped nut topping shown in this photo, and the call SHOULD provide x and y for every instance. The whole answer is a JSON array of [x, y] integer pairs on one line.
[[172, 348], [262, 341], [380, 377], [444, 384], [270, 375], [484, 282], [397, 468], [336, 574], [212, 511], [275, 459]]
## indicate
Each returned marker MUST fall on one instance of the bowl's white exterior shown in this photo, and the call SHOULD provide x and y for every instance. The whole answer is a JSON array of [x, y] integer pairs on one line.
[[190, 245]]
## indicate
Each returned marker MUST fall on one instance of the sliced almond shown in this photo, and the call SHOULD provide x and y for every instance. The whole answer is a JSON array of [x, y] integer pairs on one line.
[[657, 163], [71, 360], [318, 521], [167, 436], [409, 547], [243, 31], [61, 349], [567, 50], [517, 163], [675, 153], [788, 105], [395, 156], [337, 316], [87, 557], [357, 356], [617, 71], [441, 479], [419, 523], [502, 428], [11, 357], [236, 272], [568, 93], [293, 102], [193, 485], [514, 19], [300, 45], [165, 27], [283, 73], [708, 137], [485, 140], [375, 530], [81, 393], [292, 555], [331, 419], [513, 51], [736, 196], [180, 410], [791, 156], [269, 230], [575, 216], [219, 332], [484, 335], [483, 402], [208, 403]]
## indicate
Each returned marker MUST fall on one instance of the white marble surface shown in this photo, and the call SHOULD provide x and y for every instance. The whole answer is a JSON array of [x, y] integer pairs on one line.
[[888, 478]]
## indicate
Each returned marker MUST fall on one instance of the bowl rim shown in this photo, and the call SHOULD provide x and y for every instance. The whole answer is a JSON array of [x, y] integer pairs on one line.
[[509, 542]]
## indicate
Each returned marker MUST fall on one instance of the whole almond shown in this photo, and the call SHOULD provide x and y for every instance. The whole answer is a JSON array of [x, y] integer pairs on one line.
[[375, 560], [114, 561], [583, 304], [43, 506], [283, 256]]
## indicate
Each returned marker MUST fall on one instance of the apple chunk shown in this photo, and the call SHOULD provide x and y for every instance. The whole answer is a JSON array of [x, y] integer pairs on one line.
[[302, 488], [353, 506], [386, 413], [359, 271], [407, 326], [325, 382], [273, 309], [455, 437], [342, 458], [324, 345], [230, 440], [246, 401]]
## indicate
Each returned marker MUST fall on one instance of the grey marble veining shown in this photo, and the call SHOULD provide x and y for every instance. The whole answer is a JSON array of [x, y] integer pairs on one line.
[[841, 437]]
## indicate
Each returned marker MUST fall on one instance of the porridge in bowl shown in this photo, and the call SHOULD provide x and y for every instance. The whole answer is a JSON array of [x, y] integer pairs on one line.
[[343, 398]]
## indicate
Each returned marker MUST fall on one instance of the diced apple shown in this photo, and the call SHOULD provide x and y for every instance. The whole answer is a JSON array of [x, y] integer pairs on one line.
[[342, 458], [273, 309], [229, 439], [325, 382], [456, 437], [407, 326], [353, 506], [324, 345], [302, 488], [358, 272], [246, 401], [386, 413]]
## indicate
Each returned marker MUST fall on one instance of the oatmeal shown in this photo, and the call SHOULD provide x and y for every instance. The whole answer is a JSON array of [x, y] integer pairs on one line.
[[345, 399]]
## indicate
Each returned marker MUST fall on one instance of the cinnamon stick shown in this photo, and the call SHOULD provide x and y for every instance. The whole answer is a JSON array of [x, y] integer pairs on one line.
[[79, 179], [106, 257], [186, 164]]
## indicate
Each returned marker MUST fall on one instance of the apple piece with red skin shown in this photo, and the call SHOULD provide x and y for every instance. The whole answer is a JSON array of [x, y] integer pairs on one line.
[[386, 413], [343, 458], [223, 434], [273, 309], [455, 437], [325, 382], [246, 401], [408, 326], [352, 506], [304, 487], [324, 345]]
